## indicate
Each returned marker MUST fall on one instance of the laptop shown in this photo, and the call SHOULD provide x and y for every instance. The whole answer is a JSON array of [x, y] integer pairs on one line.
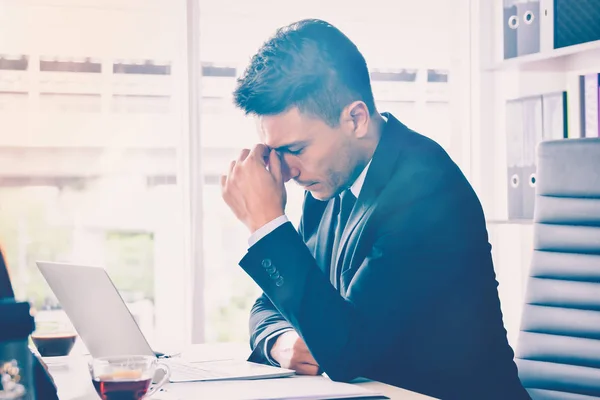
[[107, 327]]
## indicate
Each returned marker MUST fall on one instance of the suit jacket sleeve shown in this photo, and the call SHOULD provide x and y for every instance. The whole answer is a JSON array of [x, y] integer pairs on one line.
[[265, 319], [348, 335]]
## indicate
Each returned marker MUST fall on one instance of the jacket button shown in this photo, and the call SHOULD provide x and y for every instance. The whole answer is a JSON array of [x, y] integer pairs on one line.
[[279, 281], [275, 275], [271, 270], [266, 263]]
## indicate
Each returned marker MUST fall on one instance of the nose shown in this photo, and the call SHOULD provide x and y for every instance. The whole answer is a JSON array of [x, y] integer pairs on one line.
[[288, 171]]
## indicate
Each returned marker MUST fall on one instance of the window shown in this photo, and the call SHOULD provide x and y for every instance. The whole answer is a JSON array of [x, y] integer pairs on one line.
[[15, 63], [92, 119], [93, 126], [142, 67], [59, 64]]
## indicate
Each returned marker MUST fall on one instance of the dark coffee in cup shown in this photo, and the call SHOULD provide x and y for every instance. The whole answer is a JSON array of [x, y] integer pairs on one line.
[[127, 377], [53, 344], [121, 390], [110, 389]]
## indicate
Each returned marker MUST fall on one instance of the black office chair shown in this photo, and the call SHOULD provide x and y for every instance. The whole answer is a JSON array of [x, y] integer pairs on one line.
[[558, 351]]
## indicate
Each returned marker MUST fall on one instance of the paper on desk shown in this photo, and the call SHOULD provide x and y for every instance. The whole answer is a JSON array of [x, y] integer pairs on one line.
[[294, 388]]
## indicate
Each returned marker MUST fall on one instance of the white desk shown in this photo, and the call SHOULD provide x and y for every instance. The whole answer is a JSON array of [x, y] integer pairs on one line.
[[73, 380]]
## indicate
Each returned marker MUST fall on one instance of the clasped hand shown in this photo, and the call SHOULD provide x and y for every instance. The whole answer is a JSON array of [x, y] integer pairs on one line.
[[254, 187], [291, 352]]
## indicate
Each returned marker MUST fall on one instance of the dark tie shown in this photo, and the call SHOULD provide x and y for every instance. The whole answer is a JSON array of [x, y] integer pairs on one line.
[[344, 204]]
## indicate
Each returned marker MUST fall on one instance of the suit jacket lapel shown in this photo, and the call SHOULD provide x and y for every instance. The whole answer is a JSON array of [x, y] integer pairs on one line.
[[379, 173]]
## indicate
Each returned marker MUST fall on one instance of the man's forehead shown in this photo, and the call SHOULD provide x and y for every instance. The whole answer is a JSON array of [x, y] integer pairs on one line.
[[277, 130], [260, 129]]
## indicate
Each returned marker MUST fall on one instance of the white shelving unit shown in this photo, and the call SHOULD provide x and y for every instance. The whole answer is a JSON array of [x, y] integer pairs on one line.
[[494, 81], [572, 57]]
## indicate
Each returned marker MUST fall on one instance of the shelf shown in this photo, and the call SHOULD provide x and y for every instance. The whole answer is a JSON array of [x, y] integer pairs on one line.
[[566, 58]]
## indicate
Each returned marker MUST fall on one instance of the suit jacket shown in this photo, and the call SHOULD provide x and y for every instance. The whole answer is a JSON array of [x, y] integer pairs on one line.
[[417, 305]]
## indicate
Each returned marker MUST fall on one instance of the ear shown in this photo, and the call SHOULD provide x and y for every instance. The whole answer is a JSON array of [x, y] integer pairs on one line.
[[357, 117]]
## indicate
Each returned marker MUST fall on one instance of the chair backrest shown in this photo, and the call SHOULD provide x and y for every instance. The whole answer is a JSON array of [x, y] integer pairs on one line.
[[558, 352]]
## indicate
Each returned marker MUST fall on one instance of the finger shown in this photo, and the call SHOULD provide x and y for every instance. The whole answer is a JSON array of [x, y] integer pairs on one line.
[[306, 369], [231, 167], [223, 181], [308, 359], [260, 152], [303, 358], [275, 167], [243, 155], [311, 360]]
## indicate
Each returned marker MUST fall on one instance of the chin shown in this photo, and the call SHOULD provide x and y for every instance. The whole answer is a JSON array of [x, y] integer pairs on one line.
[[320, 195]]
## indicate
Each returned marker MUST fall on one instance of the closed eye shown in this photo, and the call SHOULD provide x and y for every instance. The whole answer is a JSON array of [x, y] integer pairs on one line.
[[295, 148]]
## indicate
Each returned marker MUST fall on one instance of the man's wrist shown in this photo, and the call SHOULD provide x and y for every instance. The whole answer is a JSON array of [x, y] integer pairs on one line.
[[266, 229], [259, 223], [270, 342], [278, 341]]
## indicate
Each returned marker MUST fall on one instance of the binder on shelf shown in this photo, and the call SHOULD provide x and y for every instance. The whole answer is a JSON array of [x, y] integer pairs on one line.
[[521, 27], [529, 121], [510, 23], [554, 116], [514, 158], [532, 136], [528, 32], [568, 22], [589, 89]]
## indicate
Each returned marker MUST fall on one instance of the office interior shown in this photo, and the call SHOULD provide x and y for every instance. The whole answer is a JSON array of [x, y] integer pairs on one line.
[[117, 121]]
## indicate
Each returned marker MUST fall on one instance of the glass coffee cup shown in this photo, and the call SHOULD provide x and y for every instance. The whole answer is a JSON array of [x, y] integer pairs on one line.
[[53, 338], [127, 377]]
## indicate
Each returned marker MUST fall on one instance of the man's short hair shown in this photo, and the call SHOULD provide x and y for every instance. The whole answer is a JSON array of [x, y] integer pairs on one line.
[[309, 64]]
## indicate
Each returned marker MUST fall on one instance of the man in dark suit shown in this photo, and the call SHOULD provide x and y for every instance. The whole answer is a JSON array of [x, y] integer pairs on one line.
[[390, 274]]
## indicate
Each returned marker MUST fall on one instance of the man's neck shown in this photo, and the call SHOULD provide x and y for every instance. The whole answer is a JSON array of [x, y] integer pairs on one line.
[[374, 134], [375, 130]]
